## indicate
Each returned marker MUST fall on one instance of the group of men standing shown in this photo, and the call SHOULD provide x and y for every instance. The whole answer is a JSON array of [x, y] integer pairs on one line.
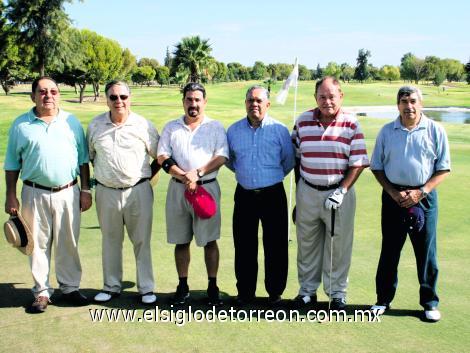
[[49, 148]]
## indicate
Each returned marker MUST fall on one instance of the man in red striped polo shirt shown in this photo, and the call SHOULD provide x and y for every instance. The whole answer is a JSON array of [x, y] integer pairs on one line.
[[332, 154]]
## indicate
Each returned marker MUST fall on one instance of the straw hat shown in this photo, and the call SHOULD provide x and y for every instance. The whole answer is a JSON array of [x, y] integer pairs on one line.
[[18, 234]]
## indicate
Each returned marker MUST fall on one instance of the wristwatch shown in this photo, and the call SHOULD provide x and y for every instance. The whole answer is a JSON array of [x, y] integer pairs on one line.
[[200, 174], [424, 194]]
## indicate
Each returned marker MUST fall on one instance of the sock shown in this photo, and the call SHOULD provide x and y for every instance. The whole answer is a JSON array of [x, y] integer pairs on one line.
[[212, 282], [183, 281]]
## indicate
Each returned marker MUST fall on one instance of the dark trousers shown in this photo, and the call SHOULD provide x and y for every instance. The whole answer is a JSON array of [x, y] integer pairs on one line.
[[394, 232], [270, 206]]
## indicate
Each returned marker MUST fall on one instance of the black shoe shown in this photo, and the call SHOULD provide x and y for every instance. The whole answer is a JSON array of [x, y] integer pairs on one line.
[[181, 295], [338, 304], [302, 301], [274, 300], [213, 296], [75, 298]]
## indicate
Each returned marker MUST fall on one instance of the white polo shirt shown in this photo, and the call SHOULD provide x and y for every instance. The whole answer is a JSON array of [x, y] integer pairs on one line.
[[121, 153], [192, 149]]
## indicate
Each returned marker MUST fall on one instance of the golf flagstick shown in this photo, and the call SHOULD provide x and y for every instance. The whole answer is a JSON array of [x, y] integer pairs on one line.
[[332, 233], [294, 78]]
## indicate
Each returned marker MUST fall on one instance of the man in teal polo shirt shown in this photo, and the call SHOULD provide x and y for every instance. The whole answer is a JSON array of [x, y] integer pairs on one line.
[[47, 150]]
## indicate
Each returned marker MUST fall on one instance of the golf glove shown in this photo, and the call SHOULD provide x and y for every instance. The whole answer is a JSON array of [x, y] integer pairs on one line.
[[335, 199]]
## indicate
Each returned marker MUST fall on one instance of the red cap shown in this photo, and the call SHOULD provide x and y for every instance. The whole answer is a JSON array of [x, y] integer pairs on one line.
[[203, 203]]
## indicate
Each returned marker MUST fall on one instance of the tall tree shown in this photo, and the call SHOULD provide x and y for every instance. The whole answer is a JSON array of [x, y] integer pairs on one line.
[[318, 72], [467, 71], [162, 75], [304, 73], [362, 71], [40, 24], [347, 72], [455, 70], [259, 71], [332, 69], [153, 63], [143, 75], [103, 59], [168, 59], [412, 68], [128, 64], [192, 55], [13, 57], [390, 73]]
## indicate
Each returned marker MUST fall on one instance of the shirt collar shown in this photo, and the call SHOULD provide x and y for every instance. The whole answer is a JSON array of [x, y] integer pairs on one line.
[[316, 114], [33, 116], [129, 121], [205, 120], [264, 122], [423, 123]]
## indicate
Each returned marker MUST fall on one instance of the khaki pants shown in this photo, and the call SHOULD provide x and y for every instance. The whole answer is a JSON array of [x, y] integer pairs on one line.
[[132, 208], [313, 236], [54, 218]]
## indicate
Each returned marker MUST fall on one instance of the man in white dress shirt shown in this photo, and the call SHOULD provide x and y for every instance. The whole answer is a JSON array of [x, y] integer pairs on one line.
[[192, 148]]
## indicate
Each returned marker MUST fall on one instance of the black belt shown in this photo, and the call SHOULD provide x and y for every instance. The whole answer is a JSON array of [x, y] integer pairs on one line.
[[322, 187], [125, 187], [406, 187], [50, 188], [199, 182], [260, 190]]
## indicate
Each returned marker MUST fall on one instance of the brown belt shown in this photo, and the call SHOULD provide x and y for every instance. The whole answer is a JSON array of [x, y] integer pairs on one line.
[[50, 188]]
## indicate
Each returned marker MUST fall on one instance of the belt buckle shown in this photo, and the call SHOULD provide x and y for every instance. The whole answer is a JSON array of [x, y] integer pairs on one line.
[[55, 188]]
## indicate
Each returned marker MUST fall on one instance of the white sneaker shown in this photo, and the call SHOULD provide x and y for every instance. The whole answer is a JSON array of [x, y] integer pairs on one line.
[[105, 296], [433, 315], [149, 298], [379, 309]]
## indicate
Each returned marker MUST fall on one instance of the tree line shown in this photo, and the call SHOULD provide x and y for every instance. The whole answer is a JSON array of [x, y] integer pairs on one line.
[[36, 38]]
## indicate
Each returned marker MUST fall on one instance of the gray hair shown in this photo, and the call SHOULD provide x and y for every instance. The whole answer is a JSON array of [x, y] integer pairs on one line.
[[333, 80], [116, 83], [406, 91], [252, 88]]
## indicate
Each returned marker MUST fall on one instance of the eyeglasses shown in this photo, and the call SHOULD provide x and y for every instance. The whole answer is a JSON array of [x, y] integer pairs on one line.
[[53, 92], [114, 97]]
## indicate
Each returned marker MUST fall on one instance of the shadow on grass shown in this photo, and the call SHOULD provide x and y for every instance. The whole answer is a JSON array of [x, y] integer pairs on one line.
[[259, 309]]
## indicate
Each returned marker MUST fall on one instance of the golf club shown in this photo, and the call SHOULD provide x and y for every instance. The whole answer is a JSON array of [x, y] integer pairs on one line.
[[332, 233]]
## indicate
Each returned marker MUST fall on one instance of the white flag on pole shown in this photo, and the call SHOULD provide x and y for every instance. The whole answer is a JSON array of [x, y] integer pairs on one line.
[[291, 81]]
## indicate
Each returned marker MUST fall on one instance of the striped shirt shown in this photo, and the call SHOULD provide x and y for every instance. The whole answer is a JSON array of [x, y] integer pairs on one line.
[[192, 149], [327, 153]]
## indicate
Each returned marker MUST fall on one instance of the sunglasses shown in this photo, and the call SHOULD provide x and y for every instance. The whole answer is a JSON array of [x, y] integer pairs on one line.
[[114, 97], [53, 92]]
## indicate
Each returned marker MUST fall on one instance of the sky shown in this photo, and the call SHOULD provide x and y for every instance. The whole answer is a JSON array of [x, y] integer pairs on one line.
[[316, 32]]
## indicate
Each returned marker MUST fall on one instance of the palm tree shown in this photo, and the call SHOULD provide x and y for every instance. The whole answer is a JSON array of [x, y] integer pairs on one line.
[[192, 55]]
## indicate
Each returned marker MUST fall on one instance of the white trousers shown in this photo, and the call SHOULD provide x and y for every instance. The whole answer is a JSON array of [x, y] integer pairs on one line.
[[131, 208], [313, 240], [54, 218]]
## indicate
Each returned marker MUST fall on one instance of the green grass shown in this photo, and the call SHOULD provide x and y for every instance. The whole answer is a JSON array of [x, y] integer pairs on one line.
[[67, 329]]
